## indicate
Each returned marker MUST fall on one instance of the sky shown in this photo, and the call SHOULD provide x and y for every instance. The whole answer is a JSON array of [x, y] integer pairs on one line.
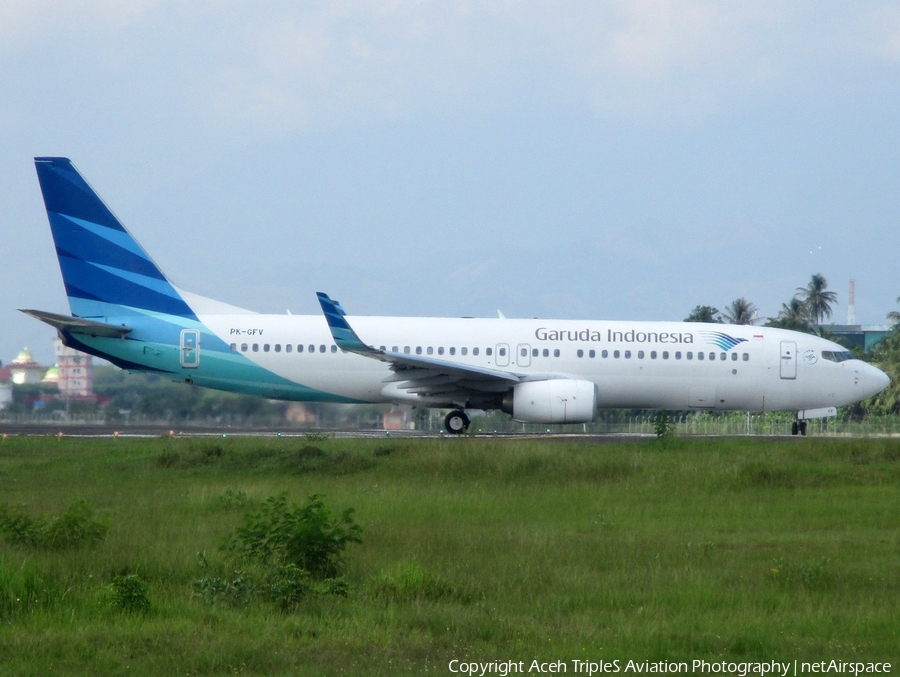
[[604, 159]]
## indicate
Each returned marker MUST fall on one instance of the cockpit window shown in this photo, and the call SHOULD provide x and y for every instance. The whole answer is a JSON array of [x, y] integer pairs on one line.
[[837, 355]]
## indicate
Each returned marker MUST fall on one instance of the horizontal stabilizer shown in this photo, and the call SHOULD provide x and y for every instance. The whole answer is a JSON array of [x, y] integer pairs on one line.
[[77, 325]]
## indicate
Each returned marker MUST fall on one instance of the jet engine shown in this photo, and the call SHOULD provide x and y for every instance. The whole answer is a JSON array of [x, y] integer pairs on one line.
[[552, 401]]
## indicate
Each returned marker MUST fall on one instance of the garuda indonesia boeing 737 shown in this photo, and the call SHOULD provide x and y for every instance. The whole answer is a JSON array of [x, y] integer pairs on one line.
[[126, 311]]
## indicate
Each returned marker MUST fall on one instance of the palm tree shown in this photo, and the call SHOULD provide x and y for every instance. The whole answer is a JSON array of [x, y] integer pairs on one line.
[[793, 315], [741, 311], [704, 314], [894, 316], [818, 301]]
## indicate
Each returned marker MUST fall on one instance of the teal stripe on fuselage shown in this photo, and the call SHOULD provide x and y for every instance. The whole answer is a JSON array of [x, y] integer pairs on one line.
[[223, 370]]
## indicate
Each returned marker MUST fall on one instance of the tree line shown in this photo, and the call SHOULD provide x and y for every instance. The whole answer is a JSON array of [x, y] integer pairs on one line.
[[806, 312]]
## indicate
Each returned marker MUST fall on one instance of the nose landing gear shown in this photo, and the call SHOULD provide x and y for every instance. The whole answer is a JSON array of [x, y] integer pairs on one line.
[[798, 428]]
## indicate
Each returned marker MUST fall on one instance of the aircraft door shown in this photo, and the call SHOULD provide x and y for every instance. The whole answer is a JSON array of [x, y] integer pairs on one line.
[[502, 358], [190, 348], [523, 355], [788, 360]]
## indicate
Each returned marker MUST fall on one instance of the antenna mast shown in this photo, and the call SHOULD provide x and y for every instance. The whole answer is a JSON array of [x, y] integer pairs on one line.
[[851, 303]]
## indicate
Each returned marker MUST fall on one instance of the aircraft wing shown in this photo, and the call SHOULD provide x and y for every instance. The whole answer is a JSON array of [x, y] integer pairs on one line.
[[419, 375], [79, 325]]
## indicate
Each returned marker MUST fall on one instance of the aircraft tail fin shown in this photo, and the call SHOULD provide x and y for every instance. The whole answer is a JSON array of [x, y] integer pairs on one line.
[[103, 267]]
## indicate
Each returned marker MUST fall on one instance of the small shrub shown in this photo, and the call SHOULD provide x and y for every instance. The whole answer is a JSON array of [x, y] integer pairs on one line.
[[75, 528], [307, 537], [129, 593], [289, 586], [663, 426], [239, 591], [234, 499]]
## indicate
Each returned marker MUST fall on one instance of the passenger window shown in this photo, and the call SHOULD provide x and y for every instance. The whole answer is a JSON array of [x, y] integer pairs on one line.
[[312, 348], [745, 357], [406, 350], [712, 356], [430, 350], [524, 352], [395, 349], [579, 353], [382, 348], [334, 348], [556, 353], [699, 356], [463, 351], [652, 354], [234, 347], [453, 351], [440, 351], [265, 347], [255, 347], [592, 353], [489, 351], [604, 353], [418, 350], [535, 352], [502, 352], [665, 354], [322, 348], [677, 354], [243, 347], [640, 354], [546, 352], [277, 347], [723, 357], [627, 354], [474, 351], [616, 354], [288, 348], [689, 355], [734, 357]]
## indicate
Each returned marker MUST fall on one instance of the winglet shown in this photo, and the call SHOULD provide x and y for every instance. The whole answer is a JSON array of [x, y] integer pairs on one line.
[[343, 334]]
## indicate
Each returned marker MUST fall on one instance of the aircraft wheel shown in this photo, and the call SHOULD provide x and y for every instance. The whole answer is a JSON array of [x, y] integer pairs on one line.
[[803, 427], [456, 422], [795, 428]]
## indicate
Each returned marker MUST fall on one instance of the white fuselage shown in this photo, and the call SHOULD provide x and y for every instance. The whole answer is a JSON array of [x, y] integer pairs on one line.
[[659, 365]]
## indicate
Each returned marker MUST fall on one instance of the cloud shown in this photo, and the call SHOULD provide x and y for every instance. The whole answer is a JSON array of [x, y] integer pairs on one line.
[[273, 68]]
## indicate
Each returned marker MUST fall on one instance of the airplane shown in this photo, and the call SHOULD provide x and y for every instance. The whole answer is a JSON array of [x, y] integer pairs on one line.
[[126, 311]]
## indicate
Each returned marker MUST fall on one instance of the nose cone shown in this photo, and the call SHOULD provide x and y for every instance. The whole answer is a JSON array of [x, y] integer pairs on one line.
[[872, 380]]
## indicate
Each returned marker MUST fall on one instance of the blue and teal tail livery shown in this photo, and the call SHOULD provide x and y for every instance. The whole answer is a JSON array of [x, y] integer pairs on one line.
[[102, 264]]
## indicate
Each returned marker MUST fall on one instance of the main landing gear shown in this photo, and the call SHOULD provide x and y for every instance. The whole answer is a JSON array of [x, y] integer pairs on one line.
[[456, 422], [798, 428]]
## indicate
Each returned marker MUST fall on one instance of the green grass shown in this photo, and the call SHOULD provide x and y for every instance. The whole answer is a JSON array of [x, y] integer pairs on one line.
[[475, 549]]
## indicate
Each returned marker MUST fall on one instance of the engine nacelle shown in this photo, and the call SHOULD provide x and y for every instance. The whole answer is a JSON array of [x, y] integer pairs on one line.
[[553, 401]]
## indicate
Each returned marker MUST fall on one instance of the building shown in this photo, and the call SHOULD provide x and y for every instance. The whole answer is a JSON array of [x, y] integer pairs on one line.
[[74, 372], [24, 369], [864, 336]]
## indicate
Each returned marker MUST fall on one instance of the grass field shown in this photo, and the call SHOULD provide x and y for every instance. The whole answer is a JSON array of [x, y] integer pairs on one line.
[[472, 549]]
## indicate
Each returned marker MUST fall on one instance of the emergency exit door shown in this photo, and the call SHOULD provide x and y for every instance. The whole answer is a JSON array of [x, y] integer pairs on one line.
[[190, 348]]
